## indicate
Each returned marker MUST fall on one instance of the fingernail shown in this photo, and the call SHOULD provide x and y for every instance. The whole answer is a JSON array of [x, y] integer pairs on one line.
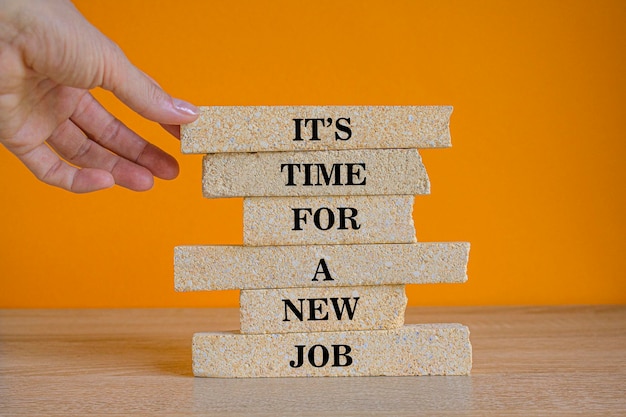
[[186, 108]]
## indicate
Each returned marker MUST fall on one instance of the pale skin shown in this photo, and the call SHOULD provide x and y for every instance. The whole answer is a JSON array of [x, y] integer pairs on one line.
[[50, 59]]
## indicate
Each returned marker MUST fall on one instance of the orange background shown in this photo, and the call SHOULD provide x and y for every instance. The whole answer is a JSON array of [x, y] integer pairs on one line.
[[535, 179]]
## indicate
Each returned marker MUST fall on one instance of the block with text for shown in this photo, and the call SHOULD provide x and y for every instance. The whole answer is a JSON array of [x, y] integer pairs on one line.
[[205, 268], [426, 349], [297, 128], [328, 220], [351, 172], [322, 309]]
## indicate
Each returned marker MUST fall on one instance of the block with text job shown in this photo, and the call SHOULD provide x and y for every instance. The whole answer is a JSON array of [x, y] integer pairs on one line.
[[426, 349]]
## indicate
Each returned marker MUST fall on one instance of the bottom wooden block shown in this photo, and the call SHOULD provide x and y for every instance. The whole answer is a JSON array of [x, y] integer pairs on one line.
[[419, 349]]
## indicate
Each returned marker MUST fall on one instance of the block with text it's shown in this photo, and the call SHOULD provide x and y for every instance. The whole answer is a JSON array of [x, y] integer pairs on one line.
[[426, 349]]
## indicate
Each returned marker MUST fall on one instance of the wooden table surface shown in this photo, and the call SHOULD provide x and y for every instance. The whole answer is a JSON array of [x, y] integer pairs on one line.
[[527, 361]]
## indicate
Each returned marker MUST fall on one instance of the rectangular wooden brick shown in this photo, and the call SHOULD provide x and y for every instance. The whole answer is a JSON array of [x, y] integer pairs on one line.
[[322, 309], [286, 128], [315, 173], [423, 349], [206, 268], [328, 220]]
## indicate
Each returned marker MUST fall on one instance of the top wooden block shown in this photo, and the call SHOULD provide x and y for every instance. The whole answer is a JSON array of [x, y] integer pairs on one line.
[[305, 128]]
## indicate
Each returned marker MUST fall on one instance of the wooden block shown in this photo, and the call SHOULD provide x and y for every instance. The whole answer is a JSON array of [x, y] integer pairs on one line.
[[353, 172], [205, 268], [285, 128], [322, 309], [426, 349], [327, 220]]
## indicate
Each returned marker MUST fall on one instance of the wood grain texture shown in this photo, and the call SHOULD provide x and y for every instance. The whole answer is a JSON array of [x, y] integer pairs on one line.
[[527, 361]]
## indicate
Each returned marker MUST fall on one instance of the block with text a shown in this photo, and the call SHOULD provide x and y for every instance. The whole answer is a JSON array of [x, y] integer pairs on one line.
[[245, 129]]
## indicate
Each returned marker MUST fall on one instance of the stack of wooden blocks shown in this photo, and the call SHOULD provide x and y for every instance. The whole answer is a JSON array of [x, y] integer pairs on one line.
[[329, 242]]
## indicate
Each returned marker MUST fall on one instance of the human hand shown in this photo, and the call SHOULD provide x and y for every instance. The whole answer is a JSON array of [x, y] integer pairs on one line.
[[50, 57]]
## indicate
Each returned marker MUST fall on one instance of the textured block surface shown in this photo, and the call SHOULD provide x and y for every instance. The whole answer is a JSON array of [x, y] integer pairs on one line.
[[327, 220], [352, 172], [427, 349], [273, 128], [322, 309], [198, 268]]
